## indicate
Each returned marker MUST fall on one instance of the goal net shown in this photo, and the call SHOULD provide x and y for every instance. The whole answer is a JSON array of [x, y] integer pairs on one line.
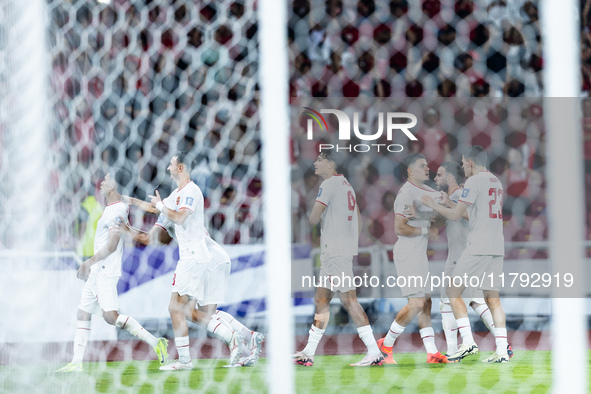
[[97, 85]]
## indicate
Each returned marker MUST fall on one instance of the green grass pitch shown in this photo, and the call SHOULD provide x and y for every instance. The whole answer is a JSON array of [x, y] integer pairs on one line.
[[528, 372]]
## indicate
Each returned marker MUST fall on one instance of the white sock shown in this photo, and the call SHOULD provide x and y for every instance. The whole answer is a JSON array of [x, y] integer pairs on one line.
[[501, 340], [131, 325], [394, 332], [235, 324], [218, 328], [313, 340], [428, 337], [486, 317], [450, 328], [80, 340], [465, 330], [366, 335], [182, 347]]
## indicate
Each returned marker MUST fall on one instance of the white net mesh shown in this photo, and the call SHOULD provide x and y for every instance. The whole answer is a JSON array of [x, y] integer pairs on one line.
[[131, 83], [135, 82]]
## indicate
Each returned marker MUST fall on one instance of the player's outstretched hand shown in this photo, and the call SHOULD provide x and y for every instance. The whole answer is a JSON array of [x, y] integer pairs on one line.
[[123, 226], [446, 200], [155, 199], [409, 211], [84, 271], [428, 201]]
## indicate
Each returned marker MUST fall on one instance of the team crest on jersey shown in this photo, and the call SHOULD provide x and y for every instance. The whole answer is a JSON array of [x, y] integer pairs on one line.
[[189, 201], [319, 192], [465, 193], [178, 200]]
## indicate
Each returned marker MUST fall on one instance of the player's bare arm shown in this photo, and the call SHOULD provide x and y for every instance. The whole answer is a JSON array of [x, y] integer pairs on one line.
[[84, 270], [316, 213], [452, 214], [143, 205], [176, 217], [402, 228], [451, 204], [411, 212], [150, 238]]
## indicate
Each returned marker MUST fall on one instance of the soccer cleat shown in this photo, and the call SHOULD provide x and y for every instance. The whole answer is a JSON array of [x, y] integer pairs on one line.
[[386, 351], [463, 351], [236, 344], [509, 351], [370, 361], [71, 367], [495, 358], [256, 344], [177, 365], [161, 350], [249, 361], [436, 358], [302, 359]]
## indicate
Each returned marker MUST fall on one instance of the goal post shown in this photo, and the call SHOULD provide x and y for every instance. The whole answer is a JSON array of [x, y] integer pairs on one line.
[[561, 79]]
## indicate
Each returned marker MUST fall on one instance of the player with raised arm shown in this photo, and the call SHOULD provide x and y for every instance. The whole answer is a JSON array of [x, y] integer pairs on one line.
[[101, 273], [482, 199], [188, 283], [216, 281], [410, 258], [449, 178], [336, 209]]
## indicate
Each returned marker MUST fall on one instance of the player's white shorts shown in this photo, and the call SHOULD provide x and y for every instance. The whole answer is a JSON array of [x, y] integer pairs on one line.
[[480, 266], [189, 278], [215, 285], [99, 294], [333, 267], [474, 294], [412, 269]]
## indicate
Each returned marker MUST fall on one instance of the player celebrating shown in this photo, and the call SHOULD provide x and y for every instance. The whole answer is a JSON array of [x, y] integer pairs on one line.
[[482, 198], [410, 258], [188, 284], [337, 208], [101, 273], [449, 177], [216, 281]]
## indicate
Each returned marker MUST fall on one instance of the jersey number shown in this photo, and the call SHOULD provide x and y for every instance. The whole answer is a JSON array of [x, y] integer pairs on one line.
[[495, 210], [351, 200], [351, 203]]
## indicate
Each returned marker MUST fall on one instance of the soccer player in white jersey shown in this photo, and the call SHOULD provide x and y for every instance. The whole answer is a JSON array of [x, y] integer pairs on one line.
[[482, 198], [410, 258], [449, 177], [216, 281], [336, 207], [188, 284], [101, 273]]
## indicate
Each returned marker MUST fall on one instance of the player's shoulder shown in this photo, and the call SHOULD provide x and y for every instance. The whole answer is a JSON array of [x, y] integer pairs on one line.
[[192, 188], [485, 178], [116, 208], [455, 195]]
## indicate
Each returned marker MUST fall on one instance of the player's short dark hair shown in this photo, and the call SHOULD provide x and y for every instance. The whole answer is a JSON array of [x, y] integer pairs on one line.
[[122, 178], [477, 154], [456, 170], [336, 158], [410, 160], [182, 157]]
